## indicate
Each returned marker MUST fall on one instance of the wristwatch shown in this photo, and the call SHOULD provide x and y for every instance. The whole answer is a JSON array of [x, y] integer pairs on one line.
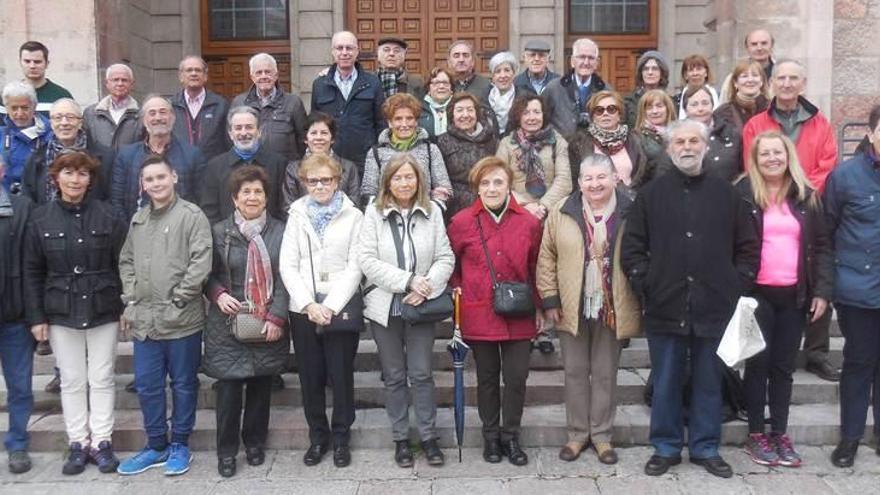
[[178, 303]]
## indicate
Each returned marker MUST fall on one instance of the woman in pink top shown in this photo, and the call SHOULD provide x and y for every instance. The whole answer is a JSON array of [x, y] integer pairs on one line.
[[794, 284]]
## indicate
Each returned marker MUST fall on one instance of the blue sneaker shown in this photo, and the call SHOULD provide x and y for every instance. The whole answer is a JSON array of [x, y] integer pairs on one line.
[[178, 460], [143, 460]]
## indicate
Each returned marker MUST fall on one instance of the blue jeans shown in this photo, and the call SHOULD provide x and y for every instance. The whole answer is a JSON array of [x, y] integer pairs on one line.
[[178, 359], [669, 367], [17, 359], [861, 369]]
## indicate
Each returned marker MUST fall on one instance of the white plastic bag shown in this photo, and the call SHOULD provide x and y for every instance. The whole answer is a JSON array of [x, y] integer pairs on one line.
[[742, 338]]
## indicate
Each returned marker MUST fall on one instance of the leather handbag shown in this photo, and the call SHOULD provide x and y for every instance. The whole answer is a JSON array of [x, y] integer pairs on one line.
[[247, 327], [351, 317], [508, 298]]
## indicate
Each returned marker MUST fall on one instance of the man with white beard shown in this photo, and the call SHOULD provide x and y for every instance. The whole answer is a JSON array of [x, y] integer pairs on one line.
[[689, 250]]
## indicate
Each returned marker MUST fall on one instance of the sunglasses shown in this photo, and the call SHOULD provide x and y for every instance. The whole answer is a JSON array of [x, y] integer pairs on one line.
[[610, 109]]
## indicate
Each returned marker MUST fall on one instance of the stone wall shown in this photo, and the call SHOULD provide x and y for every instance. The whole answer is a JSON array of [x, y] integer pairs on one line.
[[313, 25], [539, 19], [855, 68]]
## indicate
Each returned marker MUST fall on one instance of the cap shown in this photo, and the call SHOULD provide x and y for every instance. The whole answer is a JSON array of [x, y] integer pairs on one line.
[[537, 46], [391, 39]]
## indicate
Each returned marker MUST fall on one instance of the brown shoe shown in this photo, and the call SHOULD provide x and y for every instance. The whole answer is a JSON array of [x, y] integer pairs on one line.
[[605, 452], [571, 451]]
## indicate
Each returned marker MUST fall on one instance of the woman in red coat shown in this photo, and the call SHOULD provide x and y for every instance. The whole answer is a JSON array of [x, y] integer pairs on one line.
[[500, 344]]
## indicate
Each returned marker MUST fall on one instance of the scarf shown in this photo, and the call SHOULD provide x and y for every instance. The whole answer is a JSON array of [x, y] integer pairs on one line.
[[55, 148], [529, 159], [404, 144], [247, 155], [389, 79], [501, 104], [746, 103], [258, 283], [439, 112], [320, 215], [595, 289], [610, 142], [5, 203]]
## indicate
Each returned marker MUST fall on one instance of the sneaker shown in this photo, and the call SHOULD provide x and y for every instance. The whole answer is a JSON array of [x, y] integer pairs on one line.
[[143, 460], [77, 458], [788, 457], [19, 462], [104, 458], [759, 449], [178, 460]]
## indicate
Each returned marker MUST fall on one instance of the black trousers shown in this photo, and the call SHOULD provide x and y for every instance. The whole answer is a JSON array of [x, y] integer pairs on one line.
[[860, 378], [254, 426], [817, 338], [508, 360], [325, 360]]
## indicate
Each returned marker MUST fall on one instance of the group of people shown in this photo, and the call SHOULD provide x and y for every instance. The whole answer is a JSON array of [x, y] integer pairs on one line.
[[542, 201]]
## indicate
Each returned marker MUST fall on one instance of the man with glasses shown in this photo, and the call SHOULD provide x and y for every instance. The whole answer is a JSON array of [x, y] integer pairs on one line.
[[114, 121], [566, 98], [392, 73], [535, 78], [200, 114]]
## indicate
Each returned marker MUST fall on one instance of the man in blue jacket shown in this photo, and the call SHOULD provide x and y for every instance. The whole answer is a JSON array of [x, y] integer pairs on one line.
[[22, 132]]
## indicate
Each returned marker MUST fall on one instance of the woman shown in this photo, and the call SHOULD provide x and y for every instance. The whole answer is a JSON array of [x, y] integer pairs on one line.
[[320, 136], [503, 68], [652, 72], [538, 156], [748, 95], [585, 303], [794, 284], [403, 135], [606, 135], [469, 138], [656, 111], [433, 118], [319, 258], [496, 223], [696, 74], [724, 153], [405, 255], [245, 274], [72, 294]]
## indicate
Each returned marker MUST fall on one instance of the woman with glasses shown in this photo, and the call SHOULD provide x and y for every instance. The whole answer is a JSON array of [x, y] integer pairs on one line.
[[652, 72], [724, 153], [433, 118]]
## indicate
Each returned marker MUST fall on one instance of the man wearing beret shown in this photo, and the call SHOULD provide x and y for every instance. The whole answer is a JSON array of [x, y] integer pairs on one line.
[[391, 55], [536, 76]]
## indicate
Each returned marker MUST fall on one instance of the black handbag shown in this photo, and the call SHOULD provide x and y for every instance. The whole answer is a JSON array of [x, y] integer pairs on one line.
[[351, 317], [508, 298]]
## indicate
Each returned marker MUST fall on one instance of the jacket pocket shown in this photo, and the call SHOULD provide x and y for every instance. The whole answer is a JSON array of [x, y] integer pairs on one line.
[[106, 297], [100, 238], [174, 318], [57, 297]]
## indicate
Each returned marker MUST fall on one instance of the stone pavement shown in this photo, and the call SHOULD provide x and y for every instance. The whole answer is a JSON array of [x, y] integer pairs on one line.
[[373, 472]]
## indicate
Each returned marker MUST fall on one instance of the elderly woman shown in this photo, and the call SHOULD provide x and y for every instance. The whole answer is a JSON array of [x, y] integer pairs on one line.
[[433, 117], [580, 297], [245, 275], [503, 68], [22, 132], [497, 224], [319, 266], [656, 111], [404, 135], [538, 156], [72, 295], [695, 74], [606, 135], [652, 72], [469, 138], [405, 255], [724, 153], [320, 136], [748, 95]]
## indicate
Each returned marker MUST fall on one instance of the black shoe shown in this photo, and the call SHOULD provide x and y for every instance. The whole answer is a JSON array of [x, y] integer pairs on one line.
[[433, 453], [54, 385], [44, 348], [19, 462], [403, 455], [492, 451], [226, 467], [129, 387], [658, 464], [823, 370], [844, 454], [315, 453], [546, 347], [255, 456], [77, 458], [514, 453], [341, 456], [277, 383], [715, 465]]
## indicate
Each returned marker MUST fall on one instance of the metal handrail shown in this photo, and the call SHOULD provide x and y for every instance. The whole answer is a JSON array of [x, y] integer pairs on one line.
[[849, 136]]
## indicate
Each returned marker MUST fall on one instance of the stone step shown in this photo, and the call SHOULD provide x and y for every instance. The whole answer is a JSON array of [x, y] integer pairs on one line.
[[542, 426]]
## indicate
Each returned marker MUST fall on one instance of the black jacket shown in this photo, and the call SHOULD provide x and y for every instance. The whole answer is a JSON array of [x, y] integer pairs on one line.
[[214, 197], [36, 173], [282, 121], [560, 102], [724, 153], [12, 235], [71, 264], [690, 250], [207, 130]]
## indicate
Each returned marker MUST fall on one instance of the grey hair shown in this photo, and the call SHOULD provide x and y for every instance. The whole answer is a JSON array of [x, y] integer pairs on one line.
[[501, 58], [461, 42], [262, 57], [597, 160], [76, 106], [583, 42], [240, 109], [118, 66], [18, 89], [191, 57], [154, 96], [680, 125], [779, 63]]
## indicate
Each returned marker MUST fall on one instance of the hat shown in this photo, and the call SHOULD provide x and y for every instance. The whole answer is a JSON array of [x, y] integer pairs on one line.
[[391, 39], [537, 46]]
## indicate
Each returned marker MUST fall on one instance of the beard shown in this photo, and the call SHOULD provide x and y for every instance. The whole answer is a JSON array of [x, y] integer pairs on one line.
[[690, 165], [247, 145]]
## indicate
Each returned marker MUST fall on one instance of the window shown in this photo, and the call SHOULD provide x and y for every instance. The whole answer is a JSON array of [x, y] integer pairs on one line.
[[248, 20], [609, 16]]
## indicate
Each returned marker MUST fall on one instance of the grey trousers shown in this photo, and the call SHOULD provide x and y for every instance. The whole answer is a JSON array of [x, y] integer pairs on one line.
[[405, 352], [590, 361]]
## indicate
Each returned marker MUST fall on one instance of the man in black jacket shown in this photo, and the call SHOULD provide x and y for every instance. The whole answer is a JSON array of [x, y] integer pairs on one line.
[[201, 114], [690, 251]]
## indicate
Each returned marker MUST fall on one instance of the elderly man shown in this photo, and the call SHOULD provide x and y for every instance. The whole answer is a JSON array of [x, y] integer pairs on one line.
[[113, 121], [793, 115], [689, 250], [282, 115], [353, 97], [462, 64], [244, 132], [566, 98], [759, 45], [537, 75], [391, 56], [186, 160], [23, 131], [200, 114], [33, 57]]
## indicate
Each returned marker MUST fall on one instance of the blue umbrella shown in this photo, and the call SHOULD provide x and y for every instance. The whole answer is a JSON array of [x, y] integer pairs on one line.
[[458, 350]]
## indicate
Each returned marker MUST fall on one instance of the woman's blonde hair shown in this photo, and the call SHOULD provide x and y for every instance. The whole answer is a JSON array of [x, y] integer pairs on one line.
[[398, 161], [648, 99], [745, 66], [316, 162], [794, 177]]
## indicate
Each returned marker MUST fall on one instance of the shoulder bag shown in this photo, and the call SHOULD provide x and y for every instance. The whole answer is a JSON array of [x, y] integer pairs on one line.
[[351, 317], [508, 298], [247, 327]]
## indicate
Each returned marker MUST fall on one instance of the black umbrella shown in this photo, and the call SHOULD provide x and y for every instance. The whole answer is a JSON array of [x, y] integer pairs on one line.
[[458, 350]]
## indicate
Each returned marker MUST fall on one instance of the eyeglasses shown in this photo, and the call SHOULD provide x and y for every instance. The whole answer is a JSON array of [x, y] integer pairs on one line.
[[65, 116], [324, 181], [610, 110], [439, 82]]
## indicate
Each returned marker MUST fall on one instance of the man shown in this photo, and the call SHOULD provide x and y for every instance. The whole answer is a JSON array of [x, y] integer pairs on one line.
[[689, 251], [461, 62], [566, 98], [33, 57], [200, 114], [282, 115], [186, 160], [244, 132], [535, 78], [353, 97], [16, 343], [164, 264], [22, 133], [793, 115], [113, 122], [391, 56], [759, 45]]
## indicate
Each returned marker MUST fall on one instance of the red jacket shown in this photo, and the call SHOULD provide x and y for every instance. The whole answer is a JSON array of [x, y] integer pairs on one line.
[[816, 145], [514, 245]]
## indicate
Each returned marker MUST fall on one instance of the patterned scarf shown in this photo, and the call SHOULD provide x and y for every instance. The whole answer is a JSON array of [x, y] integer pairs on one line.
[[389, 80], [529, 159], [258, 283], [595, 290], [320, 214], [439, 112], [55, 148], [610, 142]]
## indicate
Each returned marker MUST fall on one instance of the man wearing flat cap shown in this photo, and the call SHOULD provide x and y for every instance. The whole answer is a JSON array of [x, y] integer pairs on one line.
[[536, 75], [391, 55]]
